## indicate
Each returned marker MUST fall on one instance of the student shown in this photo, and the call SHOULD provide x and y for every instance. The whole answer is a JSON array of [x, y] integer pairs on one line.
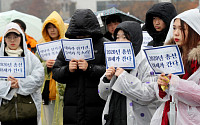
[[24, 90], [53, 29], [157, 22], [184, 88], [111, 23], [82, 105], [126, 103], [30, 41]]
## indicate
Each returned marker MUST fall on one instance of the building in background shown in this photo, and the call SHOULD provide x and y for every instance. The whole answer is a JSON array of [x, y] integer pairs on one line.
[[42, 8]]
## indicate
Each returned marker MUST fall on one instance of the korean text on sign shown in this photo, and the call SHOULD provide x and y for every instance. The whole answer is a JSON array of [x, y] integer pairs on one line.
[[77, 49], [119, 54], [49, 50], [165, 59], [12, 66], [146, 38]]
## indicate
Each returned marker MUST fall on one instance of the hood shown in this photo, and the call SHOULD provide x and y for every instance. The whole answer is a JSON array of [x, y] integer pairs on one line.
[[192, 18], [83, 23], [57, 20], [135, 32], [164, 10], [16, 27]]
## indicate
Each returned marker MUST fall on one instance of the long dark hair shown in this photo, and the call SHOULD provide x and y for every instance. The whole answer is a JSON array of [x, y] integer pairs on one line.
[[190, 43]]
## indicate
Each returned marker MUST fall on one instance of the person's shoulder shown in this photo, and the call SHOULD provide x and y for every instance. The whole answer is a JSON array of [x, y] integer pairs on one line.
[[41, 41], [103, 39], [30, 38], [1, 39], [31, 41]]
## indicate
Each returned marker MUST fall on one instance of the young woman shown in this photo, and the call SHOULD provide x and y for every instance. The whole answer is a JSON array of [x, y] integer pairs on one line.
[[24, 89], [185, 88], [53, 29], [157, 22], [126, 103]]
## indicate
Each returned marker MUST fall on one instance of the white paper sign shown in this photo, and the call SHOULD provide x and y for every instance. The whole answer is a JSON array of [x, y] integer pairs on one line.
[[119, 54], [146, 38], [12, 66], [165, 59], [77, 49], [49, 50]]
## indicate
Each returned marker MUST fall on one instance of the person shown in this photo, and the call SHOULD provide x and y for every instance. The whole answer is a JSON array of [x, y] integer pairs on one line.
[[127, 103], [26, 89], [53, 29], [111, 23], [30, 41], [82, 105], [157, 22], [184, 89]]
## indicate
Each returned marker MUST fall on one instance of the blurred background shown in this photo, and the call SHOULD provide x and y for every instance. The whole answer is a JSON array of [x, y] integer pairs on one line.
[[34, 12], [42, 8]]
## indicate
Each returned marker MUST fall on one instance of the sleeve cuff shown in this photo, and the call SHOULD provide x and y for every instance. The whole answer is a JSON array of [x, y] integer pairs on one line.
[[105, 80]]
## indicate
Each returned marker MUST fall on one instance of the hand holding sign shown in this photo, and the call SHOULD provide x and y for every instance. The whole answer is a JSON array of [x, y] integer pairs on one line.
[[163, 81], [110, 72], [14, 82], [50, 63], [165, 60], [118, 71], [73, 65], [82, 64]]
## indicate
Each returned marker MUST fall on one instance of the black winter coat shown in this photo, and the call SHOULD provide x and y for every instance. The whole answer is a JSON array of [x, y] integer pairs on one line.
[[82, 104], [108, 35], [164, 10]]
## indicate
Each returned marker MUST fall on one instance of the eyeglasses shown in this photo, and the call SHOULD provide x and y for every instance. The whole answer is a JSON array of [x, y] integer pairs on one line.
[[12, 37]]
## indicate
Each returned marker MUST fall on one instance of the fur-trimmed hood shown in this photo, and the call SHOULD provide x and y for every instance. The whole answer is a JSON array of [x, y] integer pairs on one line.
[[194, 54]]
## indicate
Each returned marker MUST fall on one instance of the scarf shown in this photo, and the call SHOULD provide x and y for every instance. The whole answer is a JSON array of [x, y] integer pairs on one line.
[[117, 114], [14, 53]]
